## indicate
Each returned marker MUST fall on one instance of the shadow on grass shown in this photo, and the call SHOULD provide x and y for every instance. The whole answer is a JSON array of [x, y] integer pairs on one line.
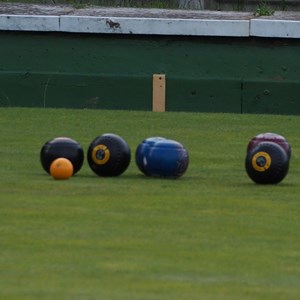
[[136, 177], [185, 178], [278, 185]]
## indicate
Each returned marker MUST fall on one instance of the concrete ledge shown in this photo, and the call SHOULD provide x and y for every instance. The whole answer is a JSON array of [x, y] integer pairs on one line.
[[29, 23], [157, 26], [147, 21], [275, 28]]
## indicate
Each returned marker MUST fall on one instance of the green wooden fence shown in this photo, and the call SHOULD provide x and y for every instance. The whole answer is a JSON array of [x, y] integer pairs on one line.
[[209, 74]]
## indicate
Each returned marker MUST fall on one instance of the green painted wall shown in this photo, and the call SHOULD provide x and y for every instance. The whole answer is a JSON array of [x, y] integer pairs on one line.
[[248, 75]]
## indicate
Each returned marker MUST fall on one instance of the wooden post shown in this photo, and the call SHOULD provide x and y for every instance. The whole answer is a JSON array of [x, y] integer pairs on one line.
[[159, 93]]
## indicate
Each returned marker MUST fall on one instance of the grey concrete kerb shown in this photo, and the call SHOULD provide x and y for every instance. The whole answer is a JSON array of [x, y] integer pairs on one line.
[[49, 18], [280, 25]]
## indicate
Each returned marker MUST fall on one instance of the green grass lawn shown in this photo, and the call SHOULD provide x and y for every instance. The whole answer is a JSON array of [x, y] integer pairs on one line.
[[211, 234]]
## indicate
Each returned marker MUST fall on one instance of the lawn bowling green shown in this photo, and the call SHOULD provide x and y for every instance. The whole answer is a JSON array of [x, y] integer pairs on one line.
[[213, 232]]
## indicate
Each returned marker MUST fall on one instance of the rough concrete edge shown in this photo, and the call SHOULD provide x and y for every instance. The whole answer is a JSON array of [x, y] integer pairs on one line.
[[256, 27], [155, 26], [275, 28], [29, 23]]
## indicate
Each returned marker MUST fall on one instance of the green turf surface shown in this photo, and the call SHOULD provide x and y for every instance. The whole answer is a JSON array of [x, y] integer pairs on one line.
[[212, 234]]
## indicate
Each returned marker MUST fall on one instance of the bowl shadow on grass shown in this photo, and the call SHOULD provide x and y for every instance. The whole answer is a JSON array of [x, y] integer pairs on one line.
[[124, 176], [184, 178], [136, 176], [282, 184]]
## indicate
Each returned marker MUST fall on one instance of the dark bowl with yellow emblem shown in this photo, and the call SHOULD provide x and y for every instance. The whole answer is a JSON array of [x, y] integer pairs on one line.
[[267, 163], [109, 155]]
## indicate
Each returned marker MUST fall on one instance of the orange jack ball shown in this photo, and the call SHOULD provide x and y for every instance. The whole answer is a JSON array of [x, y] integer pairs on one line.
[[61, 168]]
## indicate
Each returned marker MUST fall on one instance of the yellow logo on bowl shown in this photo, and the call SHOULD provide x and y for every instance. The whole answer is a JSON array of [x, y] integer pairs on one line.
[[100, 154], [261, 161]]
